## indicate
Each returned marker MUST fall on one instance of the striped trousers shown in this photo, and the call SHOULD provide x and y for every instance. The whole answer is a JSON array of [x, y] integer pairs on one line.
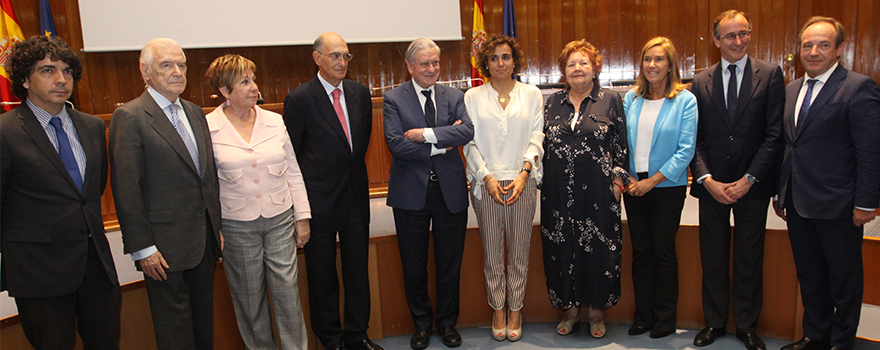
[[511, 227]]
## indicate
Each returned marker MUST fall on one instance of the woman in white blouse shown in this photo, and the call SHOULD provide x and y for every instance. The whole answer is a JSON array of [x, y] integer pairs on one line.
[[265, 209], [502, 163]]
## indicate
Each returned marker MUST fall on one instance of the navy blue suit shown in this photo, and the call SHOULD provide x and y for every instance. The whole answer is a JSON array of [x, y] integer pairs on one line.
[[417, 201], [831, 164]]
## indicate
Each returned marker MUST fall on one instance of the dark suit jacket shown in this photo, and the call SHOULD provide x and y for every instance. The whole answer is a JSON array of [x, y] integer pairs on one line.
[[412, 162], [45, 219], [335, 174], [833, 161], [751, 142], [160, 199]]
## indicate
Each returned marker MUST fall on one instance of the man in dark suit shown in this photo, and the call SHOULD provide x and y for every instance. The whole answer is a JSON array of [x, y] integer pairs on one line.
[[738, 141], [425, 123], [167, 198], [329, 120], [830, 184], [56, 260]]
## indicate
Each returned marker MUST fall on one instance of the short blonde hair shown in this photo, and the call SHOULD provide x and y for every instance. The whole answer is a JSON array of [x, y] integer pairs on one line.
[[584, 47], [673, 78], [226, 70]]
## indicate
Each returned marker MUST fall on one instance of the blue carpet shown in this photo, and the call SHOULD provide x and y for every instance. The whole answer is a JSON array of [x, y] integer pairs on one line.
[[543, 336]]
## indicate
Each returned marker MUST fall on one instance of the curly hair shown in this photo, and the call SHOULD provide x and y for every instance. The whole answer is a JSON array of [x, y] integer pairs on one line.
[[26, 54], [585, 48], [488, 48]]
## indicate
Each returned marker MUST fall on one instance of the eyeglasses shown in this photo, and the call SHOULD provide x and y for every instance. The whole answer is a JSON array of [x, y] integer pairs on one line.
[[742, 35], [336, 56]]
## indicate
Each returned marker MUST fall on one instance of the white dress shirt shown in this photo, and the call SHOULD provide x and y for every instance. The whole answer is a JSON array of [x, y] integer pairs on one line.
[[504, 138], [329, 90]]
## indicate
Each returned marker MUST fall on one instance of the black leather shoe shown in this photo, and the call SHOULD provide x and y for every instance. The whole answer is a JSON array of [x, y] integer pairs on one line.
[[451, 338], [333, 347], [420, 339], [637, 330], [659, 333], [807, 344], [751, 340], [839, 348], [365, 344], [708, 335]]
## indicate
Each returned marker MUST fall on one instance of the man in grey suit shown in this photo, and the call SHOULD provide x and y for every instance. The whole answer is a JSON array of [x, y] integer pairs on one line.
[[425, 123], [739, 137], [167, 198], [56, 259]]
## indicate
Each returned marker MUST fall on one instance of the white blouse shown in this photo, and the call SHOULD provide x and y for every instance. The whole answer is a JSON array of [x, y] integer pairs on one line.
[[504, 138], [260, 178], [647, 119]]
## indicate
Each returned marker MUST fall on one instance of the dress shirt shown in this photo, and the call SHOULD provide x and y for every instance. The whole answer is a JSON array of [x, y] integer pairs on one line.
[[820, 82], [504, 138], [260, 177], [428, 133], [725, 74], [181, 115], [44, 117], [647, 119], [329, 90]]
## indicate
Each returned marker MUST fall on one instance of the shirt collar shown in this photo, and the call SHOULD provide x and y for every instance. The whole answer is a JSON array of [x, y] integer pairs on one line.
[[44, 117], [329, 88], [741, 64], [824, 76], [161, 100], [419, 88]]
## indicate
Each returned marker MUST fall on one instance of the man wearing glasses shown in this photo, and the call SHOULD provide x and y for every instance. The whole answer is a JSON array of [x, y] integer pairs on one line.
[[739, 137], [329, 119]]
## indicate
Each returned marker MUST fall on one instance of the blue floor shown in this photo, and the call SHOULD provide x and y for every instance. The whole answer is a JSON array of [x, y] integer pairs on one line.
[[543, 336]]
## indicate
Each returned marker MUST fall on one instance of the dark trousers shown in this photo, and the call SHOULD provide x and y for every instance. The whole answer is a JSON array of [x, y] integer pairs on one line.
[[324, 282], [413, 230], [51, 323], [828, 258], [183, 305], [746, 291], [653, 221]]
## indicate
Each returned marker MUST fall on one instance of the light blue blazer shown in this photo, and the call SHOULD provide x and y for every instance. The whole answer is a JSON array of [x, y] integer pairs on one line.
[[675, 134]]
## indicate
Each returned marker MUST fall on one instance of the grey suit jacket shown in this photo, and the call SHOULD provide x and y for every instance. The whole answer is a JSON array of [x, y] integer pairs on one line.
[[160, 198], [46, 221]]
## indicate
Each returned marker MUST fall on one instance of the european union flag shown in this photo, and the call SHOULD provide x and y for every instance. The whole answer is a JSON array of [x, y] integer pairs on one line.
[[509, 26], [47, 24]]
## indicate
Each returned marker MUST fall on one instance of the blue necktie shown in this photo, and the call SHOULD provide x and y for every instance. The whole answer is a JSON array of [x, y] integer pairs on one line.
[[805, 106], [187, 140], [66, 153]]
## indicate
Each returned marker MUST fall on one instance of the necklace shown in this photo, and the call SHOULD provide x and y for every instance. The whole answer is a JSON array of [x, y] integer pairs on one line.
[[502, 99]]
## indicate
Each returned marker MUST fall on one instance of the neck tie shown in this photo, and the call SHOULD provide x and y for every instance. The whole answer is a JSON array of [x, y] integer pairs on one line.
[[731, 93], [430, 112], [66, 153], [187, 140], [805, 106], [340, 114]]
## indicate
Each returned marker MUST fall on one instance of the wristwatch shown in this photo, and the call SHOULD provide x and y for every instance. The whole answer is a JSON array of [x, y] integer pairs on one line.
[[527, 170], [751, 179]]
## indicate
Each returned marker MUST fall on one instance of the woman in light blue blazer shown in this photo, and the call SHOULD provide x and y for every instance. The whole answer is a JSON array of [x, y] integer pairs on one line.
[[661, 120]]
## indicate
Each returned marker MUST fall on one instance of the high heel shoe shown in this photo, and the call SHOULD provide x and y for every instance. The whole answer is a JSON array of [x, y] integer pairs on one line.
[[597, 330], [565, 326], [514, 334], [498, 334]]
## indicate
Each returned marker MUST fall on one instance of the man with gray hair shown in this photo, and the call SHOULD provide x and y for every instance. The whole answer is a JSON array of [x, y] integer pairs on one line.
[[167, 198], [425, 123]]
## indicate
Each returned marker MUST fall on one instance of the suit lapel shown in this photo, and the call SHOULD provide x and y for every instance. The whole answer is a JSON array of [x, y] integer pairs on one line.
[[166, 130], [409, 94], [32, 127], [829, 89], [199, 126], [328, 113], [791, 95], [717, 89], [353, 105], [442, 106]]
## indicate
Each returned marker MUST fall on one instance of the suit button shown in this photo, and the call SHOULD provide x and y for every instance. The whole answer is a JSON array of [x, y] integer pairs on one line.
[[258, 195], [254, 165], [256, 181], [202, 211], [728, 158], [250, 151], [731, 138], [794, 145]]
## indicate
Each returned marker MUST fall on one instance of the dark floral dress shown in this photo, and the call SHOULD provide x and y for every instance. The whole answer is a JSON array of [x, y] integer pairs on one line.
[[580, 218]]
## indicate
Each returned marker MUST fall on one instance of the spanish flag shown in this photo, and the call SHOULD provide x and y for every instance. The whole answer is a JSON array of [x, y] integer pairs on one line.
[[479, 37], [10, 34]]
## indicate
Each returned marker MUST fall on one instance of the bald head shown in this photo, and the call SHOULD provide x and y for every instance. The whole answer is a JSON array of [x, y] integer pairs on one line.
[[332, 56]]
